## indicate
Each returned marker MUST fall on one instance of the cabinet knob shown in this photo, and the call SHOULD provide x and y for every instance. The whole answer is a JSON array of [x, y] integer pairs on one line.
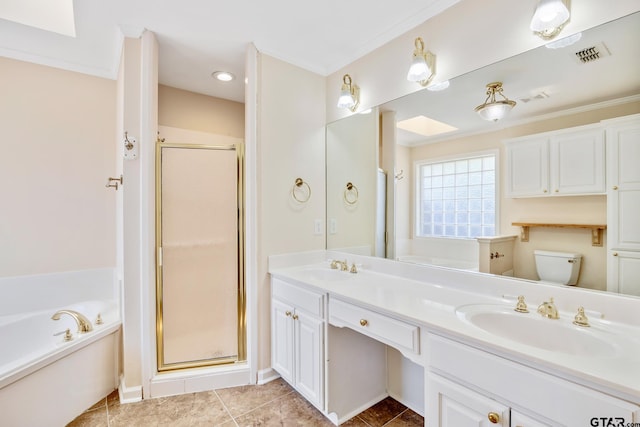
[[364, 322], [287, 313], [295, 317], [493, 417], [615, 254], [615, 187], [544, 191], [557, 191]]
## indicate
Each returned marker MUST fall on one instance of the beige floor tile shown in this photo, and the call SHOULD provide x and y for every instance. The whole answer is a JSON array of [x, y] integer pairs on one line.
[[289, 411], [240, 400], [193, 409], [93, 418]]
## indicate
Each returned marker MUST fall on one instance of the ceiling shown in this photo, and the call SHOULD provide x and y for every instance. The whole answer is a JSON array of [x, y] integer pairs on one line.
[[198, 37], [542, 81]]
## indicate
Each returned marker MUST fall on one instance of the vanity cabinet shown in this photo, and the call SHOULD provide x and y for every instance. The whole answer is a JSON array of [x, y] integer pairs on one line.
[[568, 162], [459, 406], [472, 387], [297, 338]]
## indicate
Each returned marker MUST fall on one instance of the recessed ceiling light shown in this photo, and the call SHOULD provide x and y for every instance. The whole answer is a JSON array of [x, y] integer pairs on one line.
[[223, 76]]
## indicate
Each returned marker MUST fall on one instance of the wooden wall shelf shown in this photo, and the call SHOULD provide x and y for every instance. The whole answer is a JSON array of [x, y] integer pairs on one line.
[[596, 230]]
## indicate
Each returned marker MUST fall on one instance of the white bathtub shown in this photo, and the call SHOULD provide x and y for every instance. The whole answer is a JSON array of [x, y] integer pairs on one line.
[[46, 381]]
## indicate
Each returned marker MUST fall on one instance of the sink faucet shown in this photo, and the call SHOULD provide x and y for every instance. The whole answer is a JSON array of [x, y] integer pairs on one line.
[[84, 325], [548, 309]]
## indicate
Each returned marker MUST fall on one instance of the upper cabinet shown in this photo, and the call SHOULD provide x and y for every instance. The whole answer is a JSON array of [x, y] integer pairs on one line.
[[568, 162]]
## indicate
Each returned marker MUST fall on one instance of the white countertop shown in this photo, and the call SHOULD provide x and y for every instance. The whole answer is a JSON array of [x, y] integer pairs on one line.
[[428, 296]]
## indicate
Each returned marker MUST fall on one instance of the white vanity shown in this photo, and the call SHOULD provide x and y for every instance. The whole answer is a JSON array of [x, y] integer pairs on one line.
[[449, 344]]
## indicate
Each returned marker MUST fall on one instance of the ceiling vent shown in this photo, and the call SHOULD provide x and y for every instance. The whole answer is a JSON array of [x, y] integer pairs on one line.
[[538, 96], [592, 53]]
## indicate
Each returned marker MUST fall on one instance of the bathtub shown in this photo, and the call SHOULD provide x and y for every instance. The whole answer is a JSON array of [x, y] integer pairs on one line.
[[47, 381]]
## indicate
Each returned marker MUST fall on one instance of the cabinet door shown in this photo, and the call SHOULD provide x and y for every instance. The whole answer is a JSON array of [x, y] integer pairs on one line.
[[453, 405], [623, 197], [520, 420], [282, 339], [577, 162], [528, 168], [308, 350], [624, 272]]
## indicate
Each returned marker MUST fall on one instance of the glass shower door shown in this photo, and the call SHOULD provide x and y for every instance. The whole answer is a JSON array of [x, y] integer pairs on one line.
[[200, 291]]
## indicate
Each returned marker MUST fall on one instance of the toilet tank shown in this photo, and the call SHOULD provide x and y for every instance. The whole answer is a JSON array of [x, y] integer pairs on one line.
[[558, 267]]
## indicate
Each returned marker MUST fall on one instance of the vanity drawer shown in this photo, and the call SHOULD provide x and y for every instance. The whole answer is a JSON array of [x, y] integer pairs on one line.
[[396, 333], [309, 301]]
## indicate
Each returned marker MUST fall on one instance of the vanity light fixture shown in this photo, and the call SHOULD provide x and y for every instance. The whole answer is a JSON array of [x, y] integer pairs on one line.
[[423, 64], [549, 18], [492, 109], [349, 94], [223, 76]]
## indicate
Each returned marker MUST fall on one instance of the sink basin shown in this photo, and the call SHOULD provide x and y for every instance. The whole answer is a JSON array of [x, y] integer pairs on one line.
[[325, 274], [531, 329]]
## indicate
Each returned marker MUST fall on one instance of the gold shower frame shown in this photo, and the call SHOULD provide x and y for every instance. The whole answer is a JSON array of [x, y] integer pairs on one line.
[[242, 322]]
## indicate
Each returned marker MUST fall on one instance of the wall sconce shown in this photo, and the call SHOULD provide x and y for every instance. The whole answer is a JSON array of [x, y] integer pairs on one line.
[[349, 94], [491, 109], [549, 18], [423, 64]]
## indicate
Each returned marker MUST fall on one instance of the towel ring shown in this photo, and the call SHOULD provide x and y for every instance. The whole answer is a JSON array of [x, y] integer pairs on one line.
[[298, 186], [351, 194]]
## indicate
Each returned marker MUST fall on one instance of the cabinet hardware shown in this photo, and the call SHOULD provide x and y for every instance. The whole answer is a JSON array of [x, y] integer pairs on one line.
[[295, 317], [615, 187], [615, 254], [557, 191], [287, 313], [364, 322], [493, 417]]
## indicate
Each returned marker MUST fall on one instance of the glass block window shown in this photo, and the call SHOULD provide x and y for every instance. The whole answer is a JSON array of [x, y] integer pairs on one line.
[[457, 198]]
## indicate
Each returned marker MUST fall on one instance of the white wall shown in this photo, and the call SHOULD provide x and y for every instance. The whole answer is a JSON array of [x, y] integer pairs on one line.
[[57, 151], [465, 37], [290, 144]]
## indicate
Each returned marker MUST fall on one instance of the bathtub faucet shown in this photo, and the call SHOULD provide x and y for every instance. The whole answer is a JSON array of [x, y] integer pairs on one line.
[[84, 325]]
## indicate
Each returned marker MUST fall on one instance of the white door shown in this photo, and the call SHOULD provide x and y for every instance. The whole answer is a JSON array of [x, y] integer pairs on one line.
[[308, 339], [528, 168], [520, 420], [282, 339], [453, 405], [623, 197], [624, 272], [577, 162]]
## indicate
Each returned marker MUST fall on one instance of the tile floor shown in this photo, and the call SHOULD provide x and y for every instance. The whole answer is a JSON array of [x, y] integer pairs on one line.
[[271, 404]]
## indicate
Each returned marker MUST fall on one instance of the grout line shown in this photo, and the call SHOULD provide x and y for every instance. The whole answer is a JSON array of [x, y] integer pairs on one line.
[[225, 408], [265, 403], [397, 416], [366, 423]]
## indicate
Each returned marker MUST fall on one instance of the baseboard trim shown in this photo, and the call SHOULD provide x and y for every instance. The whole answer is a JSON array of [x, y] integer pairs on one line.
[[129, 394], [267, 375]]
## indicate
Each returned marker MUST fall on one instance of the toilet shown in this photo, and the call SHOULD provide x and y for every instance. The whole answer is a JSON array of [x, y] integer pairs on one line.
[[557, 268]]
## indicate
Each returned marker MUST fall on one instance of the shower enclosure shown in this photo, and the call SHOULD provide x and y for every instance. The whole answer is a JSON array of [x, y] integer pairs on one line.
[[200, 292]]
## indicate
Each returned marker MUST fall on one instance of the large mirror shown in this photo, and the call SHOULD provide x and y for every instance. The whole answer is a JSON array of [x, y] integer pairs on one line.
[[553, 90]]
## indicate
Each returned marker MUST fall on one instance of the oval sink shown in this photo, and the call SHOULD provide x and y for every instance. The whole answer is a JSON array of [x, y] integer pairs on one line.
[[532, 329]]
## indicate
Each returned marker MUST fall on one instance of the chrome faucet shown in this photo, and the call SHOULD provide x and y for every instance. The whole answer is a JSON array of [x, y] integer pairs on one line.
[[548, 309], [84, 325]]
